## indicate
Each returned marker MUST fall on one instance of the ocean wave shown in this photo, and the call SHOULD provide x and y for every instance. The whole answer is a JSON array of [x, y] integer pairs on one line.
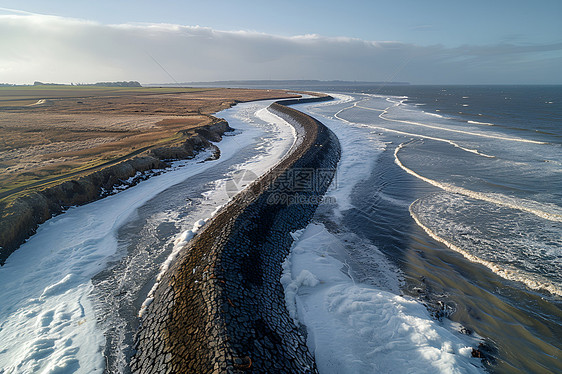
[[547, 211], [366, 108], [480, 123], [396, 103], [456, 145], [533, 281], [338, 99], [434, 115], [382, 116]]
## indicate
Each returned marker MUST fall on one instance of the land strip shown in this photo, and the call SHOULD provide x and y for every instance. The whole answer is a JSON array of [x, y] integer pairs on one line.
[[70, 130], [220, 307], [62, 146]]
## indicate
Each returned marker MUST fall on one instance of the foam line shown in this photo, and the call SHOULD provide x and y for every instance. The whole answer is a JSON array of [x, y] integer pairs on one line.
[[480, 123], [502, 200], [475, 151], [373, 109], [381, 116], [535, 283]]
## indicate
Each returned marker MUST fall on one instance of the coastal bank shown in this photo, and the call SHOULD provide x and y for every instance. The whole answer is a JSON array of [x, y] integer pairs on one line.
[[66, 146], [220, 307], [23, 216]]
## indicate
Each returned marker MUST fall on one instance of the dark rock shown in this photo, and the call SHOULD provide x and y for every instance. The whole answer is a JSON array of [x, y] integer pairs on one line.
[[240, 324]]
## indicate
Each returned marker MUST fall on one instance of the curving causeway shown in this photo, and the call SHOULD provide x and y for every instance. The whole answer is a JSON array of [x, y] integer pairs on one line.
[[220, 307]]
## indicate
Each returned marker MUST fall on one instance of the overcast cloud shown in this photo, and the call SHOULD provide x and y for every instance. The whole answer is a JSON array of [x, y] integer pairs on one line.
[[55, 49]]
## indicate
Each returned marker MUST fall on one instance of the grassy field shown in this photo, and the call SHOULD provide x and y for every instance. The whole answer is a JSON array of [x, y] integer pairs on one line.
[[26, 95], [52, 133]]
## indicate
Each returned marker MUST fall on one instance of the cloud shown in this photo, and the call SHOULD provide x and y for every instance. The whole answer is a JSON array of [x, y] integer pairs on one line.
[[50, 48]]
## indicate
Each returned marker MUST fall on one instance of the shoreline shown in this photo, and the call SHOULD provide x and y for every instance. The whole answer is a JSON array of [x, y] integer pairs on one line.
[[102, 254], [47, 198], [475, 296], [26, 213], [221, 305]]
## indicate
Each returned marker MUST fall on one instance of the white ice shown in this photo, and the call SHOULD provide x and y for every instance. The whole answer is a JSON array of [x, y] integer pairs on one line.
[[282, 137], [355, 327], [358, 328], [48, 323], [359, 147]]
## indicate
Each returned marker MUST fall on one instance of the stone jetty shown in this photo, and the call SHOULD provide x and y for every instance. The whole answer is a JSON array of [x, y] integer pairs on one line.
[[220, 307]]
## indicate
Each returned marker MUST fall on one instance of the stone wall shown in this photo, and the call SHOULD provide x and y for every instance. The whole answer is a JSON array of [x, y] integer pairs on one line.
[[220, 307]]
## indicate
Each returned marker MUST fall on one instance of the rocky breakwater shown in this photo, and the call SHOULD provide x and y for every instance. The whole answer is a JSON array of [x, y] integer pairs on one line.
[[20, 218], [220, 307]]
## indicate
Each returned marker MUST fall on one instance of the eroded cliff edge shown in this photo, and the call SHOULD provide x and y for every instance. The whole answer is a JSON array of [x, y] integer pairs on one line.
[[220, 307], [21, 217]]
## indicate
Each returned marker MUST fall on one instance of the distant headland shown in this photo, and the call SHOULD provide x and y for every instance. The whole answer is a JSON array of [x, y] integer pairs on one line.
[[98, 84], [272, 83]]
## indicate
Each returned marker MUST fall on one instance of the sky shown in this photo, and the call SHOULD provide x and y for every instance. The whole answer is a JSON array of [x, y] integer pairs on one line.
[[421, 42]]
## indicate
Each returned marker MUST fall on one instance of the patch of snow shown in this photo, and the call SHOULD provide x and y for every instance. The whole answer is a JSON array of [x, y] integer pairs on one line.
[[358, 328]]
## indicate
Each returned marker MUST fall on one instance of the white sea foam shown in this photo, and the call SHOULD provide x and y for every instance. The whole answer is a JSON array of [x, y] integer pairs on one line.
[[550, 212], [392, 200], [545, 211], [354, 327], [357, 328], [339, 99], [367, 108], [535, 282], [479, 134], [480, 123], [448, 141], [396, 103], [434, 115], [359, 153]]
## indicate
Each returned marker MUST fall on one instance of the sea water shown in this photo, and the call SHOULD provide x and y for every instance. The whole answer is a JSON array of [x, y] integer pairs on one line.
[[460, 188], [445, 234]]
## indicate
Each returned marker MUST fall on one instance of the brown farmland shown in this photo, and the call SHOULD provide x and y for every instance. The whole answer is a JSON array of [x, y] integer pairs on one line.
[[51, 133]]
